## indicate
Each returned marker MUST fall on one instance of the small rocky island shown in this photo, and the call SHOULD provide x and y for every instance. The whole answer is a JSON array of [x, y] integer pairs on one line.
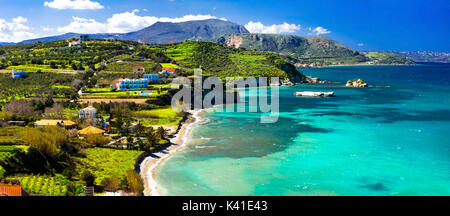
[[358, 83], [314, 94]]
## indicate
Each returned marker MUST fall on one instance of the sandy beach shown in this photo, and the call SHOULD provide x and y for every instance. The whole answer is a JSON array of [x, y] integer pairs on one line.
[[149, 165]]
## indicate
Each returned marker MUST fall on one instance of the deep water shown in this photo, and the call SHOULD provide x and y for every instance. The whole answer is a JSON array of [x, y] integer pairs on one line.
[[389, 139]]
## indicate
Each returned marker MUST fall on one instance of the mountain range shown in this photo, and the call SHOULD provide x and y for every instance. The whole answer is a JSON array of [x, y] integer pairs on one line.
[[426, 57], [163, 32], [318, 50]]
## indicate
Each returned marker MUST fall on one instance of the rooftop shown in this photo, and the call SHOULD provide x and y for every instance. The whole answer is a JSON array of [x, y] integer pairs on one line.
[[51, 122]]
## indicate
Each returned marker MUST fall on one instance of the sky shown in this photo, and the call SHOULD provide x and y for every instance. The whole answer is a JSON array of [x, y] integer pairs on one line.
[[390, 25]]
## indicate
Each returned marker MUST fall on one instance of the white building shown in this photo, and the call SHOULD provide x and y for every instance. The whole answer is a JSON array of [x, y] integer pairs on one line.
[[88, 112]]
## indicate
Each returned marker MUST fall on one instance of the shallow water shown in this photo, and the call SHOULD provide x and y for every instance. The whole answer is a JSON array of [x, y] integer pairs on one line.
[[390, 140]]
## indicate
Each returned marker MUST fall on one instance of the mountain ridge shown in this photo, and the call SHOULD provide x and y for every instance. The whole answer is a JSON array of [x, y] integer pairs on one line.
[[160, 32], [316, 50]]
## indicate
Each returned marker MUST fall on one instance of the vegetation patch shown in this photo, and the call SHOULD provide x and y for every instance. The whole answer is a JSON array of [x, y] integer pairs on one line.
[[107, 163], [49, 185], [163, 116]]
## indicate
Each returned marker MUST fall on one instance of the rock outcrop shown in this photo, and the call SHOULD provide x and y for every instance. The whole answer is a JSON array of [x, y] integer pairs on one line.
[[358, 83], [314, 94]]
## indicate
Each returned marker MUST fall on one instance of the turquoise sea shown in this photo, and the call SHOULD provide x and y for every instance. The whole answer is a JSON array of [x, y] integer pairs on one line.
[[390, 140]]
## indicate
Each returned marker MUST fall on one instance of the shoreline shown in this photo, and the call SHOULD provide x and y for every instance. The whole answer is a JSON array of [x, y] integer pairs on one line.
[[177, 142], [343, 65]]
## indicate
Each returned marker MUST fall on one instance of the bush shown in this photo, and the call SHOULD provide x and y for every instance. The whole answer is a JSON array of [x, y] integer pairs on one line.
[[111, 184], [2, 172], [134, 182], [88, 177], [97, 140]]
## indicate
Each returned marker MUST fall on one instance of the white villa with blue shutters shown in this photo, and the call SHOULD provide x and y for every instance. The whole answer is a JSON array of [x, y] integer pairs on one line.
[[137, 83], [18, 74]]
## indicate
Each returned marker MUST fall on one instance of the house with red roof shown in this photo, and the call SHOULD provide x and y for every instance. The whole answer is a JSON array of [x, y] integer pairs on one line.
[[138, 69], [10, 189]]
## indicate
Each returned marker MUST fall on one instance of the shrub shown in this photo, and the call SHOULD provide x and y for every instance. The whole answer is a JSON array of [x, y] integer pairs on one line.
[[134, 182], [97, 140], [111, 184], [2, 172], [88, 177]]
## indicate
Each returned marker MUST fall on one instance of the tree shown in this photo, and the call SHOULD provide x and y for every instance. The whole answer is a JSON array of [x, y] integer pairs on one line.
[[130, 140], [71, 189], [139, 128], [97, 140], [74, 66], [101, 67], [150, 140], [88, 177], [53, 65], [55, 111], [135, 183], [121, 115], [20, 108], [77, 84], [48, 140], [161, 132], [111, 184]]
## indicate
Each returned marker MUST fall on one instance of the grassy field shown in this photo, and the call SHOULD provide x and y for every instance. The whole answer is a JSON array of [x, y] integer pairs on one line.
[[47, 185], [128, 66], [168, 65], [12, 135], [95, 90], [34, 68], [105, 163], [163, 116], [107, 93], [61, 86]]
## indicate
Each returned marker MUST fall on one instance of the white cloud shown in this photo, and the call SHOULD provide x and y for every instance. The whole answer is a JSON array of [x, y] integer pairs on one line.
[[258, 27], [15, 31], [123, 22], [46, 28], [320, 31], [74, 5], [360, 44]]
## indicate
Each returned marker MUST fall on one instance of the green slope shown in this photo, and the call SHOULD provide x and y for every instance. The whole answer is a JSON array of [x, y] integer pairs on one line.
[[222, 61], [298, 49], [387, 58], [120, 56]]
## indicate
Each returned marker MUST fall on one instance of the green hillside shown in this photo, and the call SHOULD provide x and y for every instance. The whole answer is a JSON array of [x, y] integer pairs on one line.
[[222, 61], [387, 58], [60, 64], [298, 49]]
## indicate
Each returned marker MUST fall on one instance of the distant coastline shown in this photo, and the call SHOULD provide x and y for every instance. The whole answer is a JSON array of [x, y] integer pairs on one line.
[[344, 65]]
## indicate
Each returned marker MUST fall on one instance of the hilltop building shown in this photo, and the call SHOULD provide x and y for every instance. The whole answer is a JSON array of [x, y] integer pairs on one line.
[[18, 74], [138, 69], [51, 122], [132, 83], [88, 112], [168, 71]]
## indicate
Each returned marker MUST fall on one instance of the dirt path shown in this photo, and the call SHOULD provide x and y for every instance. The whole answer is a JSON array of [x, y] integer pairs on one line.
[[107, 100]]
